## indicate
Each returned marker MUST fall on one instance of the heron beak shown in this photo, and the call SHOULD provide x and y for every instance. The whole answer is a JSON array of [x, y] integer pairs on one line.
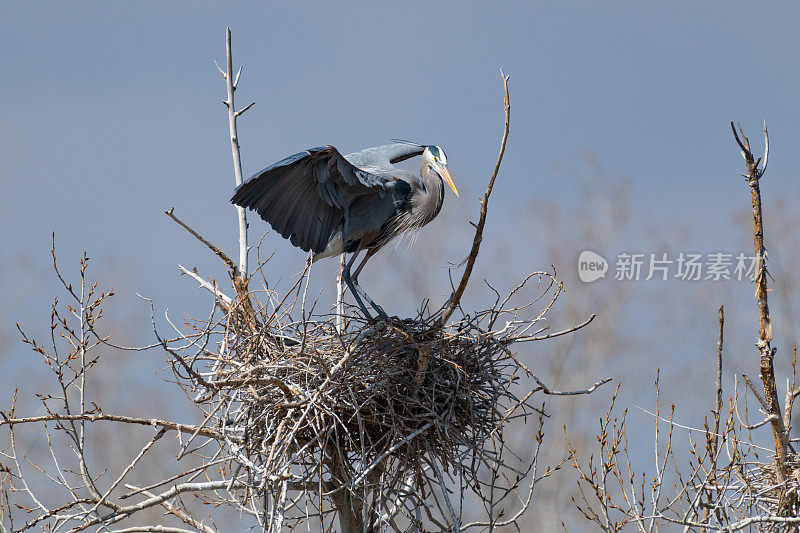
[[447, 177]]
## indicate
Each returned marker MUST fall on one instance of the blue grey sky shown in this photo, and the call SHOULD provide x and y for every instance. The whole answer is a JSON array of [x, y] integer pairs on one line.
[[111, 110], [111, 113]]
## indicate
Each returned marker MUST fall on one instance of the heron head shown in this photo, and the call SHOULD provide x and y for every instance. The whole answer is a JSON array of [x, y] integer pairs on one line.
[[433, 157]]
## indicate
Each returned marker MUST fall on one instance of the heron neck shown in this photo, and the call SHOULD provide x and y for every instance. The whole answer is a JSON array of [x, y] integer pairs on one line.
[[428, 202]]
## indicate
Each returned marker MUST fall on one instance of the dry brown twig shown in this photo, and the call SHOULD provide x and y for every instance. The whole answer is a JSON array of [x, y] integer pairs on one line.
[[455, 298], [755, 171]]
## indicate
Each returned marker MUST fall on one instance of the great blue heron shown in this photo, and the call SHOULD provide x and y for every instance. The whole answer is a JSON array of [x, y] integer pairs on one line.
[[330, 204]]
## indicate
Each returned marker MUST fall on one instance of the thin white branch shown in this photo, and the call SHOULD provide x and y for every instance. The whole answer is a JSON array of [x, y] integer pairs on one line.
[[206, 285], [219, 69], [180, 489], [173, 509], [241, 111], [200, 427], [766, 151], [551, 392], [237, 160], [157, 529], [101, 501], [340, 322], [704, 431], [556, 334]]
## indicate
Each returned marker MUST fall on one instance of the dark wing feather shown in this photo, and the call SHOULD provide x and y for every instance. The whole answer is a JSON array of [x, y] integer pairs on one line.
[[304, 197], [288, 206]]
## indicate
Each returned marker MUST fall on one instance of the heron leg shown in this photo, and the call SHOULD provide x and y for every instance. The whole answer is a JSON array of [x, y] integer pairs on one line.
[[375, 306], [352, 286], [370, 253]]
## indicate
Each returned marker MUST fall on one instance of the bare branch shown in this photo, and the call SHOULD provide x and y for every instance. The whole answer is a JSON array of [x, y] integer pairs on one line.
[[102, 417], [767, 371], [455, 298], [237, 159], [213, 247], [242, 111], [210, 287]]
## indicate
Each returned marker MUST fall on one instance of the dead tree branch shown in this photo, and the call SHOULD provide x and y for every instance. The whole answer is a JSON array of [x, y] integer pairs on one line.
[[455, 298], [213, 247], [233, 114], [755, 171], [102, 417]]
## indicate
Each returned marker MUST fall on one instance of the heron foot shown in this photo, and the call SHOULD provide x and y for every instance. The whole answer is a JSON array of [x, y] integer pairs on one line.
[[378, 309]]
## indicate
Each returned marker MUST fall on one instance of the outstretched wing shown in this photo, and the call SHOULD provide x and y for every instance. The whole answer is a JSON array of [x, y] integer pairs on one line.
[[304, 197]]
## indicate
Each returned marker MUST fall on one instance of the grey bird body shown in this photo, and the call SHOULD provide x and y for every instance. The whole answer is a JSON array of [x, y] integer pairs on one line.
[[329, 204]]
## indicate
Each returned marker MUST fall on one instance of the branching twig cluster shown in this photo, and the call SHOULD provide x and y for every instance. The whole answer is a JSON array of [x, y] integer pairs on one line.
[[729, 483], [725, 481], [87, 497]]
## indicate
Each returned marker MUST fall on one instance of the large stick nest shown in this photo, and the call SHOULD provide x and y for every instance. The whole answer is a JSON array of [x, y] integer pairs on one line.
[[402, 389], [381, 408]]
